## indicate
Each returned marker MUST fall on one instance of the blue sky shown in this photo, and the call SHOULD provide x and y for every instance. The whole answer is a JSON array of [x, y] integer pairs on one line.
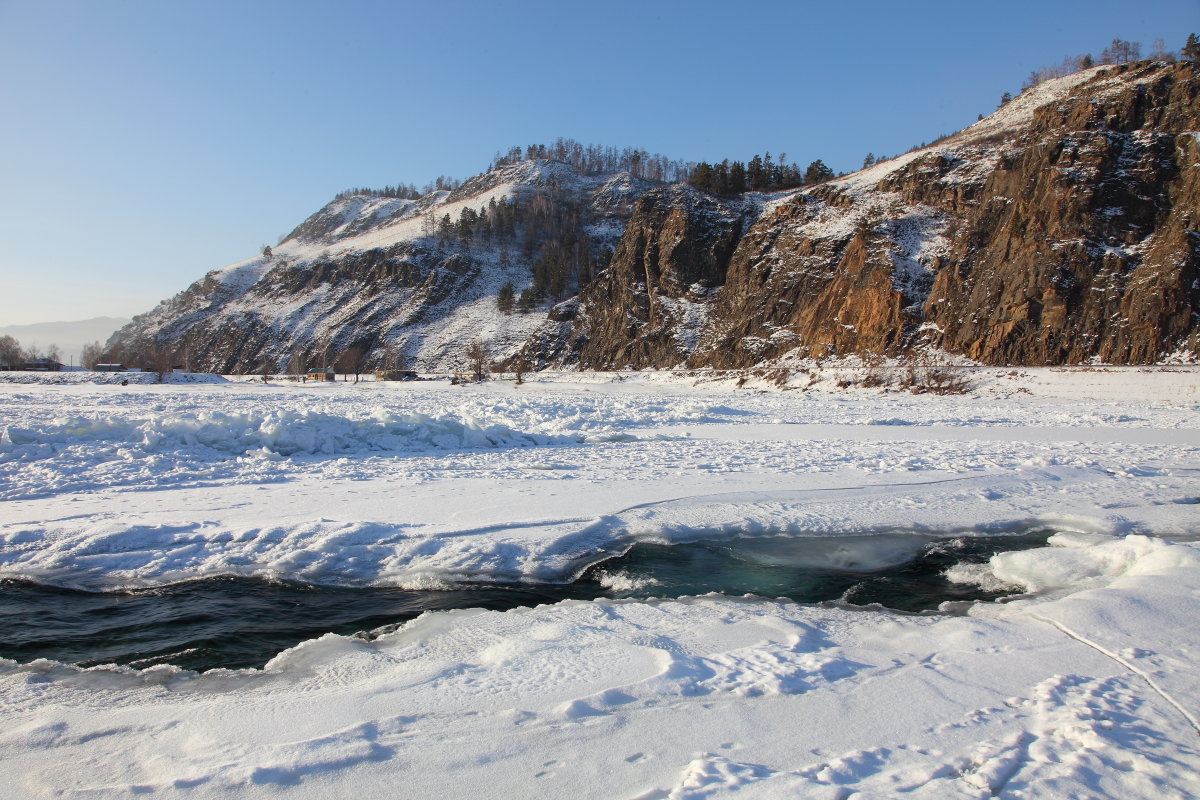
[[146, 142]]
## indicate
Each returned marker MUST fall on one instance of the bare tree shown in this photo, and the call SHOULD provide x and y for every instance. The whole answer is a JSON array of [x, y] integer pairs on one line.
[[477, 357], [1160, 52], [295, 364], [520, 367], [1121, 51], [11, 354], [91, 354], [349, 360], [429, 225], [157, 359], [933, 372]]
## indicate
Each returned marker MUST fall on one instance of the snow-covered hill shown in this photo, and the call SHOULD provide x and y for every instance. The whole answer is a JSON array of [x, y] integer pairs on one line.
[[400, 281], [1061, 229]]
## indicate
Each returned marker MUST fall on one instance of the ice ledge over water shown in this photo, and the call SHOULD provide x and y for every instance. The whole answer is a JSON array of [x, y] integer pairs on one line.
[[1043, 697]]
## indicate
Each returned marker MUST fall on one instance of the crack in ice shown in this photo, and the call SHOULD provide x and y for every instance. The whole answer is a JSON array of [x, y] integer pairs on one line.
[[1161, 692]]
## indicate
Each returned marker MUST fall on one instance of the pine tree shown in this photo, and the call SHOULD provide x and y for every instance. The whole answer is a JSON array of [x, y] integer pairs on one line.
[[721, 177], [504, 300], [1191, 50], [466, 223], [702, 177], [737, 177], [756, 175], [817, 172]]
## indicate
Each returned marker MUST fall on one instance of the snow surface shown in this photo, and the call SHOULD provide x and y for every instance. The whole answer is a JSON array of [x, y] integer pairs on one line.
[[1083, 686]]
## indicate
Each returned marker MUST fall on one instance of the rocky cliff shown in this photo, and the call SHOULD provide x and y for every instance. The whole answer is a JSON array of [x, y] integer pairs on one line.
[[1061, 229], [643, 310]]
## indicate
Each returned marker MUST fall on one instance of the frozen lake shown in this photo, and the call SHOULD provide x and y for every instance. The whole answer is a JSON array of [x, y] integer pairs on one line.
[[300, 515]]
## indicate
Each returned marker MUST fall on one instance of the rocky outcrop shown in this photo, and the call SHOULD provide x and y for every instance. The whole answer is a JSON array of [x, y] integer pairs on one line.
[[798, 286], [1086, 243], [1062, 229], [648, 306]]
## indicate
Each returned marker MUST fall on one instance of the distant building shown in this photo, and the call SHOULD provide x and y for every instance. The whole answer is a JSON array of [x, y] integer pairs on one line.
[[42, 365], [395, 375], [109, 368], [326, 374]]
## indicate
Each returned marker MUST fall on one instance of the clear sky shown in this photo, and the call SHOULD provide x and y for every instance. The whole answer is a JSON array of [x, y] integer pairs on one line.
[[145, 142]]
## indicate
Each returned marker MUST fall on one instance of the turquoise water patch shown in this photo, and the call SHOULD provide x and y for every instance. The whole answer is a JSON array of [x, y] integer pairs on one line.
[[244, 622]]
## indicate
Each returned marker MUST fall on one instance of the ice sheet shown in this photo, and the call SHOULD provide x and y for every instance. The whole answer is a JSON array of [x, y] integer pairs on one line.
[[1082, 687]]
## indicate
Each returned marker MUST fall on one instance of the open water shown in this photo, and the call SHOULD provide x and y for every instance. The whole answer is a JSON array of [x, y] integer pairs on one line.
[[243, 622]]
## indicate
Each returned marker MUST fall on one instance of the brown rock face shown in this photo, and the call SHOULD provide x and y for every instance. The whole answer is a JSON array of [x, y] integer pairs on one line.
[[645, 309], [791, 288], [1085, 246], [1059, 230]]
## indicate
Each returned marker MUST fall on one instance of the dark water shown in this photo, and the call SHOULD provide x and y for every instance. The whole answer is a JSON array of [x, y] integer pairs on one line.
[[240, 622]]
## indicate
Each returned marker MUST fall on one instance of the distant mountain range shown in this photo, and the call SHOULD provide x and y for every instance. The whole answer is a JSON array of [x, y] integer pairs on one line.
[[1061, 229], [69, 337]]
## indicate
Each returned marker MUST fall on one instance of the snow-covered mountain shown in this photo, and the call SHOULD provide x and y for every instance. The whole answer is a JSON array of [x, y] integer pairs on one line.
[[1061, 229]]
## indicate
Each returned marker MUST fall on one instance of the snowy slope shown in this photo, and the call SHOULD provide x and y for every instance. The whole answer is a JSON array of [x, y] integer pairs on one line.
[[1008, 119], [917, 229]]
